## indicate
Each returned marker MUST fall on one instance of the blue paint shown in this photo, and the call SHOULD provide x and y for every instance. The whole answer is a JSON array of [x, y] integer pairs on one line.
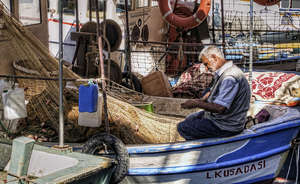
[[234, 57], [262, 144], [88, 98], [205, 167], [257, 131], [278, 59]]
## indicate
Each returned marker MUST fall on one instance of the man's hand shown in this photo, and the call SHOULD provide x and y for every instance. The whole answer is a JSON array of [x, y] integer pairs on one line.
[[190, 104]]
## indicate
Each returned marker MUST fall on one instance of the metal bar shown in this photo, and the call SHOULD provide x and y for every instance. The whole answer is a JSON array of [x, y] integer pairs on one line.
[[174, 43], [213, 21], [127, 39], [102, 69], [258, 31], [77, 15], [168, 51], [251, 45], [35, 78], [90, 10], [61, 110], [50, 79], [223, 25]]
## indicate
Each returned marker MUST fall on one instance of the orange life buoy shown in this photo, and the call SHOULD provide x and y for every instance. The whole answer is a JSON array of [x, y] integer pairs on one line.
[[267, 2], [184, 22]]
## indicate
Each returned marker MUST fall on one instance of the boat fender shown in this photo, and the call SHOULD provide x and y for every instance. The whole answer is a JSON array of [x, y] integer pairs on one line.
[[184, 22], [99, 143]]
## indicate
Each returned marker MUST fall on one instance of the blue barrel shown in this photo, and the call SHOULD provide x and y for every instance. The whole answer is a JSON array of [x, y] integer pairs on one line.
[[88, 98]]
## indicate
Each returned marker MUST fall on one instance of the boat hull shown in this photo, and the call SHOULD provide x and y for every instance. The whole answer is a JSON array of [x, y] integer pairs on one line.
[[261, 170], [255, 155]]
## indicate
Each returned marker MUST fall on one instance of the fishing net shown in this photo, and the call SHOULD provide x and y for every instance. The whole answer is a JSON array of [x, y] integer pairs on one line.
[[32, 58]]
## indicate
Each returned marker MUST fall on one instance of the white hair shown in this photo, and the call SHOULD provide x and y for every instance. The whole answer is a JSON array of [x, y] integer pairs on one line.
[[208, 51]]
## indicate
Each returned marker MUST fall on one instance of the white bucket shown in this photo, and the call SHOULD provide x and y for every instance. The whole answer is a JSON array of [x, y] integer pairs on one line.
[[92, 119], [14, 104]]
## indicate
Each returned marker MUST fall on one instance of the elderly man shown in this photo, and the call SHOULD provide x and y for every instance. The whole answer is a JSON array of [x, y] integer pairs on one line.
[[226, 105]]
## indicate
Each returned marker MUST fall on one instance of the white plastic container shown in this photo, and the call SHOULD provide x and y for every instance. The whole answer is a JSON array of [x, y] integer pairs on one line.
[[92, 119], [14, 104]]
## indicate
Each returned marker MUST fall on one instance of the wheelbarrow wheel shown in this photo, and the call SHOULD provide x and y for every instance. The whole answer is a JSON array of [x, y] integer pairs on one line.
[[109, 146]]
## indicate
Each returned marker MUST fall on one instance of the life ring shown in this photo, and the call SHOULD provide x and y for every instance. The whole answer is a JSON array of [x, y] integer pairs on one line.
[[184, 22], [267, 2]]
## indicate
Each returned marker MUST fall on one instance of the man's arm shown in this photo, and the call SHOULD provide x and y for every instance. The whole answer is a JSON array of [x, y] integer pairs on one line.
[[223, 100], [198, 103]]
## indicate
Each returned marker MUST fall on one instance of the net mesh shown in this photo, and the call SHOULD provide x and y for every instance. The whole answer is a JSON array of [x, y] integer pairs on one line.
[[32, 58]]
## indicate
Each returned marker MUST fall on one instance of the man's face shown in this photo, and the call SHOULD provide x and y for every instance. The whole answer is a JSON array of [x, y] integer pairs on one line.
[[213, 64]]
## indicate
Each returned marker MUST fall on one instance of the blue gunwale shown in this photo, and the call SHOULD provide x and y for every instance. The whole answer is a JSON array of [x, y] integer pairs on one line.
[[178, 146], [207, 167]]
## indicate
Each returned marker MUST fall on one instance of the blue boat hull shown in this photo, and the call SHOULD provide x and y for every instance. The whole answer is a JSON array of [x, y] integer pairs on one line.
[[257, 154]]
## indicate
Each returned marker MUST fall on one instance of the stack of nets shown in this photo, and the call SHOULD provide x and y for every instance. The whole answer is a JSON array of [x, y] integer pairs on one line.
[[32, 58]]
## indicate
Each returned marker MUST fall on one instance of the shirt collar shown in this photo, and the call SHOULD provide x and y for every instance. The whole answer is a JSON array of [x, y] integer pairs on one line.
[[221, 70]]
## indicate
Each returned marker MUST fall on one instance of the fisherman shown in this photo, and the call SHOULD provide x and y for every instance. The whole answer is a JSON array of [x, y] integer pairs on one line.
[[226, 104]]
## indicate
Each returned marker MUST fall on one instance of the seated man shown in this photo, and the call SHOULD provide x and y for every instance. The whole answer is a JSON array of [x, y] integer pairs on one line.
[[225, 106]]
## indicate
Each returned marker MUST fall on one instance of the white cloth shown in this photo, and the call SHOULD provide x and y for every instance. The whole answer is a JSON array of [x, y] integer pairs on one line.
[[14, 104]]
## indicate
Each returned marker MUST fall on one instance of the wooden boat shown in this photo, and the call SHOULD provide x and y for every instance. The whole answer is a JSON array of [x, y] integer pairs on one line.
[[49, 165], [257, 154]]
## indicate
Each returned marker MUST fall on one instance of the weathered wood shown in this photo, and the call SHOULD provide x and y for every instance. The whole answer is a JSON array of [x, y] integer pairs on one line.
[[20, 157], [5, 152], [169, 106]]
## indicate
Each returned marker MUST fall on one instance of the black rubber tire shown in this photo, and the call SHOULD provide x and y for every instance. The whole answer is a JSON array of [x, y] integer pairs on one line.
[[113, 33], [126, 77], [115, 147]]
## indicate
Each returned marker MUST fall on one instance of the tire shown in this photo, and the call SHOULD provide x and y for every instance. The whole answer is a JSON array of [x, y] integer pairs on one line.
[[126, 77], [115, 149]]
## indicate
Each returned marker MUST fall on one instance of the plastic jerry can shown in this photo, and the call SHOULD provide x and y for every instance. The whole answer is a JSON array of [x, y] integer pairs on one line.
[[14, 104], [92, 119], [88, 98]]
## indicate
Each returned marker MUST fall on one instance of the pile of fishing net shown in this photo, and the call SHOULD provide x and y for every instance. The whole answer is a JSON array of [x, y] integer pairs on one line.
[[32, 58]]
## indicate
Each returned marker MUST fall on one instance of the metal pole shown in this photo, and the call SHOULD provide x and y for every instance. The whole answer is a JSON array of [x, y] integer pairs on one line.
[[77, 15], [213, 21], [90, 10], [223, 26], [61, 110], [127, 44], [251, 45], [101, 69]]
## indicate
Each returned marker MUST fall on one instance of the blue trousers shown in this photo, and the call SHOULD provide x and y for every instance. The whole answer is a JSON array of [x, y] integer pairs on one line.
[[196, 127]]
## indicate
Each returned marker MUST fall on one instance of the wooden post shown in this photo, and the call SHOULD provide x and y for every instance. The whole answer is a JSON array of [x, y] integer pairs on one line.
[[20, 157]]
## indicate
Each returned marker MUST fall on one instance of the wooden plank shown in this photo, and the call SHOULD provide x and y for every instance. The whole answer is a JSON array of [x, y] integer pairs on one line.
[[20, 157]]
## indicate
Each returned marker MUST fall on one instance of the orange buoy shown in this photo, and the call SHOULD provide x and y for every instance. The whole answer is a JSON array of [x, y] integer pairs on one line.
[[184, 22], [267, 2]]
